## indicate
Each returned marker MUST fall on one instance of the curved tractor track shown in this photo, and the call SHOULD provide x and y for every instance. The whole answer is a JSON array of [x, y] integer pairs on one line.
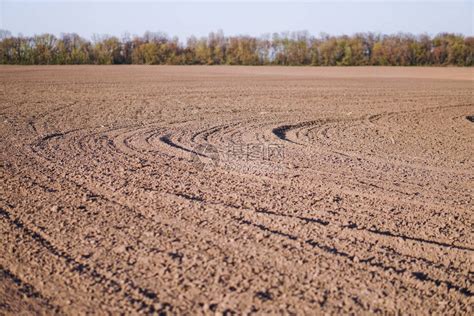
[[196, 190]]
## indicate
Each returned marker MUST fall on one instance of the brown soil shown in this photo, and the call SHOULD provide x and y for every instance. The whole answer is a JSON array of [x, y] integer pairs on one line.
[[236, 189]]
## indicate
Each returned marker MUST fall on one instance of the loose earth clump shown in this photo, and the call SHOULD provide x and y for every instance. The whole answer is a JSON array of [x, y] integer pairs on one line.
[[190, 190]]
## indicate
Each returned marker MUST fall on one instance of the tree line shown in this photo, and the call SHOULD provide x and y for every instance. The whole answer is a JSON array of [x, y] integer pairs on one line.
[[295, 48]]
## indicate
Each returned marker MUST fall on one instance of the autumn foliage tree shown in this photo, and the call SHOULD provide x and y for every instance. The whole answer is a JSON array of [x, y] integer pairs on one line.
[[293, 49]]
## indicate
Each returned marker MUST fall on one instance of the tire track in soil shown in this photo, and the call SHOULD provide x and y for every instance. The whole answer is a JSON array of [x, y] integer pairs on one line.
[[321, 213], [405, 237], [86, 270], [195, 199], [25, 289], [326, 224]]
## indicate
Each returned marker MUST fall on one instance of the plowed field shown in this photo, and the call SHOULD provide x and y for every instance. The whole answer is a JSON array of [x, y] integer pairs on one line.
[[202, 190]]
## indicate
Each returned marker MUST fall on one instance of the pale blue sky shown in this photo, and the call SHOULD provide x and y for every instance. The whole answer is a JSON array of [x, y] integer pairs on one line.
[[244, 17]]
